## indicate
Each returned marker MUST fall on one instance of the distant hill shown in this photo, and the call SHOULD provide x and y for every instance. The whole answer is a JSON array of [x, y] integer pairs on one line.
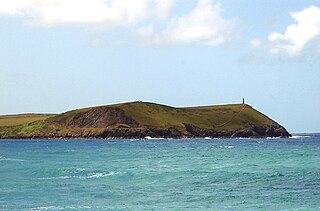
[[19, 119], [142, 119]]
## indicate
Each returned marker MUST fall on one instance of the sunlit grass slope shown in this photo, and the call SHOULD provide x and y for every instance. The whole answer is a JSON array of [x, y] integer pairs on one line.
[[139, 115], [221, 118], [20, 119]]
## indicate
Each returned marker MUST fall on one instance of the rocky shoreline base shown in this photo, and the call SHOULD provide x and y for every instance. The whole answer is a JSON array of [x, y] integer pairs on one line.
[[191, 131]]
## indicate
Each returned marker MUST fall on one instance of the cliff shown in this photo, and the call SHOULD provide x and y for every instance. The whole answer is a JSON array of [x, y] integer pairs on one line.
[[141, 119]]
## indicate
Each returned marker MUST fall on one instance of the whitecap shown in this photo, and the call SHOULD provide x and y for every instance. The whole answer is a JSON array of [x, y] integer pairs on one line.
[[101, 175], [2, 158], [298, 137], [59, 208], [94, 175], [273, 137], [149, 137], [46, 208], [227, 147], [56, 178], [225, 166]]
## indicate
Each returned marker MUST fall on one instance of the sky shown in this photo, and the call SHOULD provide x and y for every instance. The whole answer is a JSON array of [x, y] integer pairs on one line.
[[58, 55]]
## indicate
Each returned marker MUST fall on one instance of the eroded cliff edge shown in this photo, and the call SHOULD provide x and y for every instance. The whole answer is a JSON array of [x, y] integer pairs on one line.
[[139, 120]]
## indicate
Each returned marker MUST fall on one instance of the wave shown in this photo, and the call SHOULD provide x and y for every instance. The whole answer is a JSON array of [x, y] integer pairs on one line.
[[225, 166], [101, 175], [94, 175], [59, 208], [149, 137], [227, 147], [2, 158], [299, 136], [56, 178]]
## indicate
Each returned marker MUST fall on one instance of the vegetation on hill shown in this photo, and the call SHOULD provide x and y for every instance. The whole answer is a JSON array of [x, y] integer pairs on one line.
[[20, 119], [137, 119]]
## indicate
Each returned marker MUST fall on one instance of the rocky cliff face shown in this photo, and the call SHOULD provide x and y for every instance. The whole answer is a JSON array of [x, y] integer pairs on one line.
[[250, 132], [138, 120], [191, 132], [102, 118]]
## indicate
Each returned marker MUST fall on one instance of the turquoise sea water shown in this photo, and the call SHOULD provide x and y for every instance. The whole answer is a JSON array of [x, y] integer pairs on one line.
[[187, 174]]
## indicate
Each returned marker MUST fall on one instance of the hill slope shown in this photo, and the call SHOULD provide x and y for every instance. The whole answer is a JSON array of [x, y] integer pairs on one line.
[[12, 120], [141, 119]]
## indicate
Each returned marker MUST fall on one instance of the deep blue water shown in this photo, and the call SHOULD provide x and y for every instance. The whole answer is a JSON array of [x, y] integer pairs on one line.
[[187, 174]]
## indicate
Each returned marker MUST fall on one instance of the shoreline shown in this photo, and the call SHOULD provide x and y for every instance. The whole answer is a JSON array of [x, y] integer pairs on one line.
[[145, 138]]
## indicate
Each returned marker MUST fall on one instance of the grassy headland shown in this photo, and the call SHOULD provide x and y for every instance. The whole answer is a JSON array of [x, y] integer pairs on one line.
[[20, 119], [138, 119]]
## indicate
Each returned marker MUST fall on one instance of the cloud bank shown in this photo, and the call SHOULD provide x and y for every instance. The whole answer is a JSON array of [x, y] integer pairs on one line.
[[203, 26], [63, 12], [296, 36], [151, 20]]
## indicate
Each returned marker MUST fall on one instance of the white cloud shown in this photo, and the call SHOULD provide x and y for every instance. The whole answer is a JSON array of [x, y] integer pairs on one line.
[[203, 26], [163, 8], [297, 35], [256, 43], [12, 7], [59, 12], [152, 20]]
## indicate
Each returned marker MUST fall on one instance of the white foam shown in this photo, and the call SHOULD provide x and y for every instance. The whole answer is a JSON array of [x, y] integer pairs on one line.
[[2, 158], [94, 175], [59, 208], [46, 208], [207, 138], [225, 166], [56, 178], [149, 137], [101, 175], [298, 137], [227, 147]]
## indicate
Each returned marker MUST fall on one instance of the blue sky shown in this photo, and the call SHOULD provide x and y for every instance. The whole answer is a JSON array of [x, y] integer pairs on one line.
[[58, 55]]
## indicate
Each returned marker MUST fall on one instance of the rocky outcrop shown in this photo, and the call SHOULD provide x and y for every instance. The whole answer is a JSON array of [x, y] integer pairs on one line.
[[261, 132], [102, 117], [138, 120], [250, 132], [194, 131], [139, 133]]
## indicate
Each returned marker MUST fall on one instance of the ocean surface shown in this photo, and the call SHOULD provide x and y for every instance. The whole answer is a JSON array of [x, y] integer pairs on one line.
[[186, 174]]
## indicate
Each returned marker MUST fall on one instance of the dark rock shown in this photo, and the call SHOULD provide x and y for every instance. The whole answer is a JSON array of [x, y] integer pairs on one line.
[[102, 117], [262, 132], [194, 131]]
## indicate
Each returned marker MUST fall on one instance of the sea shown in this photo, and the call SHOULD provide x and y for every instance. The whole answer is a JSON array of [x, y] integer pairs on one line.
[[161, 174]]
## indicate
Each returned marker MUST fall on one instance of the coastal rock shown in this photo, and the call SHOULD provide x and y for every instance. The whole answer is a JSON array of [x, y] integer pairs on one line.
[[102, 117], [138, 133], [194, 131], [261, 132], [136, 120]]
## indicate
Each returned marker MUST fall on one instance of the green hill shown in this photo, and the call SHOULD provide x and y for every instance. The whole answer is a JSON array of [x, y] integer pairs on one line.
[[140, 119], [19, 119]]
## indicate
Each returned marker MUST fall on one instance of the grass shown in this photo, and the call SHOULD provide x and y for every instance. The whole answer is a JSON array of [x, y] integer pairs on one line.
[[222, 118], [219, 118], [22, 119], [225, 117]]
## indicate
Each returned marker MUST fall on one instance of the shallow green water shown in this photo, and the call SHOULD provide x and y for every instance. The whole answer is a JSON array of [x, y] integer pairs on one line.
[[193, 174]]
